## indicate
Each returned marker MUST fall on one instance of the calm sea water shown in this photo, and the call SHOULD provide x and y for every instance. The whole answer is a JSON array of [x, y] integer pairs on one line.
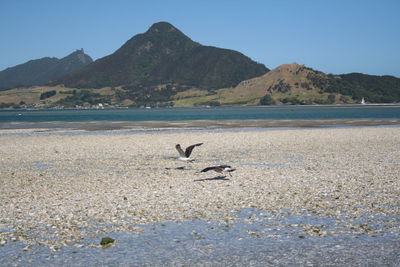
[[202, 113]]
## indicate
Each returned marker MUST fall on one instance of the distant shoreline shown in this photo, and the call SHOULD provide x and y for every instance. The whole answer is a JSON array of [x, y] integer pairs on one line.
[[222, 106]]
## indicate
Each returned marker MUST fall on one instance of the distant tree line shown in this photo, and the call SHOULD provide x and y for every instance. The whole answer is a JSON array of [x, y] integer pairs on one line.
[[12, 105], [146, 95], [294, 100], [375, 89], [82, 97]]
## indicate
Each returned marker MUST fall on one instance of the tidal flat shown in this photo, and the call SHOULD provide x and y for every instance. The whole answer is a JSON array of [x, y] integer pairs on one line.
[[319, 196]]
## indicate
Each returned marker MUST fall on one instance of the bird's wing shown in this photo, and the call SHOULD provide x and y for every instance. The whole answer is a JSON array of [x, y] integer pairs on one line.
[[225, 166], [189, 149], [180, 151], [207, 169]]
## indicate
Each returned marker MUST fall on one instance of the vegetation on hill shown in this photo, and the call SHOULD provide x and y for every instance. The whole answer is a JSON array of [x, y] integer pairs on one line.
[[267, 100], [374, 89], [83, 97], [47, 94], [57, 96]]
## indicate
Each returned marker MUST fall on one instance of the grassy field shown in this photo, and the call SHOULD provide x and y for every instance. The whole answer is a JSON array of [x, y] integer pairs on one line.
[[191, 97], [224, 96], [32, 95]]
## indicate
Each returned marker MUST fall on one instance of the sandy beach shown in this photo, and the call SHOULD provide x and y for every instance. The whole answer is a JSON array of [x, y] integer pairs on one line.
[[58, 187]]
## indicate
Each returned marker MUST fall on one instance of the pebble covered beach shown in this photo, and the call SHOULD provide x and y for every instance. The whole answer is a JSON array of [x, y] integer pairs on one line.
[[58, 187]]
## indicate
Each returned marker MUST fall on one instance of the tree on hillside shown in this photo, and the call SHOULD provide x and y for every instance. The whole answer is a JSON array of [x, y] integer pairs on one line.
[[47, 94], [267, 100], [331, 99]]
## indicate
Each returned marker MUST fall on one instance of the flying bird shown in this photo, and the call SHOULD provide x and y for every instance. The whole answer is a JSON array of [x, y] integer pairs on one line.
[[220, 169], [185, 156]]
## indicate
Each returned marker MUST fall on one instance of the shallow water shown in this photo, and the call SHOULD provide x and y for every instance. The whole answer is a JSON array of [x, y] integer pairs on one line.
[[110, 119], [255, 238], [205, 113]]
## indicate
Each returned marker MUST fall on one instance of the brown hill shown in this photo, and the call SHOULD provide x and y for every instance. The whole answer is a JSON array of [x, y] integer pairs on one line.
[[287, 78], [298, 84], [286, 84]]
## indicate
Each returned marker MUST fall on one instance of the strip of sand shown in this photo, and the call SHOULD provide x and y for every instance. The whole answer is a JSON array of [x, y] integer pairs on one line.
[[193, 124], [55, 189]]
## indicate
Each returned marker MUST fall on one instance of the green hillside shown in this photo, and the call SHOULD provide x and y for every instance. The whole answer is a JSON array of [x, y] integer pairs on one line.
[[374, 89]]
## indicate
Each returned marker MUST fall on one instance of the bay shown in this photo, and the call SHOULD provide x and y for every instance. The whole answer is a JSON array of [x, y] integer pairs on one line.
[[204, 113]]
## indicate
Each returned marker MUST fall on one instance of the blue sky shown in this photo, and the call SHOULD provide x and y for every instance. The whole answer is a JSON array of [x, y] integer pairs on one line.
[[339, 36]]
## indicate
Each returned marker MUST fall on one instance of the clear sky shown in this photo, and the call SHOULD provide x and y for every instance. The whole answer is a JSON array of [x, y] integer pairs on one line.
[[333, 36]]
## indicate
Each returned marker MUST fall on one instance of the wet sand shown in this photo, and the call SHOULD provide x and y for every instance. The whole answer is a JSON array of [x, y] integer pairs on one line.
[[56, 188], [195, 124]]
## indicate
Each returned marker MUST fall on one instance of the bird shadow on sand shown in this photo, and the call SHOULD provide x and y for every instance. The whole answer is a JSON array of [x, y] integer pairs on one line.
[[217, 178], [182, 168]]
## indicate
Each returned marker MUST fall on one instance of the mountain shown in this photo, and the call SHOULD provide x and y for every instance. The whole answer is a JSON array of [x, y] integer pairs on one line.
[[41, 71], [164, 55]]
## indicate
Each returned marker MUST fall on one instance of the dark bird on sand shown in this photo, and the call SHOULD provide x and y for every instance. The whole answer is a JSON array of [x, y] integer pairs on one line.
[[185, 156], [220, 169]]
